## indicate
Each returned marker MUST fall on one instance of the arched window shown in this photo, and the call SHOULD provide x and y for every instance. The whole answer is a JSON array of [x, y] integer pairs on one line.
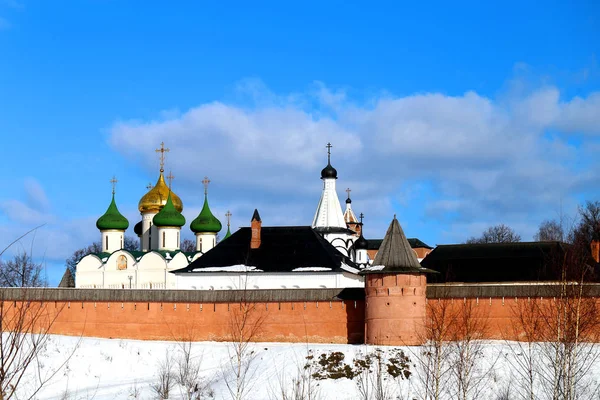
[[106, 242], [164, 236], [177, 239]]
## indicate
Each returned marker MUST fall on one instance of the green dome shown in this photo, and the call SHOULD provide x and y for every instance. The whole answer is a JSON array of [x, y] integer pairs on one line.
[[205, 222], [169, 216], [112, 219], [227, 234]]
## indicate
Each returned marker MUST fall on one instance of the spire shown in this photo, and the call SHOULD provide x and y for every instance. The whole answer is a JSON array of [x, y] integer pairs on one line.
[[349, 215], [170, 178], [162, 152], [395, 253], [361, 243], [256, 216], [329, 211], [114, 184], [228, 216], [329, 172]]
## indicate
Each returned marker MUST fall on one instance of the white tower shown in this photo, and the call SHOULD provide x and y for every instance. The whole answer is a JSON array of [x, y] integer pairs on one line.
[[329, 218], [112, 226]]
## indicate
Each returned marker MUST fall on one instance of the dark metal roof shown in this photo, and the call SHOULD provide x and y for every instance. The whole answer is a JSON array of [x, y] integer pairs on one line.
[[282, 249], [498, 262], [415, 243]]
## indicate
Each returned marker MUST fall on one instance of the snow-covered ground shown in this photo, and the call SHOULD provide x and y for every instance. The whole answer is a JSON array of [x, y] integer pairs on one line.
[[125, 369]]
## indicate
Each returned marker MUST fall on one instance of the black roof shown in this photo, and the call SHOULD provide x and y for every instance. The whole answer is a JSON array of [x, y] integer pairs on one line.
[[375, 244], [282, 249], [497, 262]]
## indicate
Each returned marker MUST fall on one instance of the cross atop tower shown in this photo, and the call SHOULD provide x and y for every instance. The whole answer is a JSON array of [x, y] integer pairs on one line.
[[329, 146], [170, 178], [162, 152], [361, 216], [205, 182], [113, 181], [228, 215], [348, 191]]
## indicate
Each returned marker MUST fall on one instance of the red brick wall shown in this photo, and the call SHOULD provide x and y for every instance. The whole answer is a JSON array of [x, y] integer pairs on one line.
[[320, 322]]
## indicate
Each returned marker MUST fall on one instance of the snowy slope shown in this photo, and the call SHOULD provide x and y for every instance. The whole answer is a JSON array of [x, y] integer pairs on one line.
[[118, 369]]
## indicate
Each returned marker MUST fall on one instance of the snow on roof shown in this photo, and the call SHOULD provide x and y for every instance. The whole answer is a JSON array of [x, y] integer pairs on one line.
[[231, 268], [310, 269]]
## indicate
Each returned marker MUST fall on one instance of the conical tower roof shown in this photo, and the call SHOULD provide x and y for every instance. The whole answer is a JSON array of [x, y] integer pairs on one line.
[[206, 222], [169, 215], [156, 198], [395, 253], [112, 218]]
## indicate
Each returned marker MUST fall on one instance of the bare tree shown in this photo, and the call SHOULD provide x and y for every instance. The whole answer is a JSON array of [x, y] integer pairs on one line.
[[22, 271], [244, 326], [497, 234], [187, 374], [433, 357], [188, 245], [302, 386], [165, 378], [549, 231], [24, 332], [468, 371], [561, 331]]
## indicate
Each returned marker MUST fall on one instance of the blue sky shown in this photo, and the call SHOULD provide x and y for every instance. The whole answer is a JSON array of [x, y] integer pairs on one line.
[[454, 116]]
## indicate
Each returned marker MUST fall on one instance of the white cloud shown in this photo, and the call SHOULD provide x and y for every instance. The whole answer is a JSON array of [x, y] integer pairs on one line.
[[486, 160]]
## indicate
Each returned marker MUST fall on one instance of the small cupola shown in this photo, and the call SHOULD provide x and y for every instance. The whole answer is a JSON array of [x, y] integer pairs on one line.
[[206, 222], [112, 225], [329, 172], [112, 219], [169, 216]]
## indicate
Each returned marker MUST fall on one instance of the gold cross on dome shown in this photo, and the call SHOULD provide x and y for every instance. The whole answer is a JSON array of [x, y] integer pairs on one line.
[[113, 181], [170, 178], [162, 152], [228, 215], [205, 182], [348, 191]]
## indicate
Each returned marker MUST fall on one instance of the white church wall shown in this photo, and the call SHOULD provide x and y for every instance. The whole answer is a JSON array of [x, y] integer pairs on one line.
[[120, 271], [89, 272], [262, 280]]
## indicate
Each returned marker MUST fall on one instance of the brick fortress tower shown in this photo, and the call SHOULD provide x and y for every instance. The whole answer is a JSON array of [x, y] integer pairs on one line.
[[395, 293]]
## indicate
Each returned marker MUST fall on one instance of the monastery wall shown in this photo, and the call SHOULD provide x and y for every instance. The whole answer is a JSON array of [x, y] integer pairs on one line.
[[320, 316], [286, 315]]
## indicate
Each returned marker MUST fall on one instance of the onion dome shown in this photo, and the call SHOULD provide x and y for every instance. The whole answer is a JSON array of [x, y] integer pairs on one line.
[[348, 201], [205, 222], [361, 243], [112, 219], [227, 234], [137, 229], [329, 172], [156, 198], [169, 215]]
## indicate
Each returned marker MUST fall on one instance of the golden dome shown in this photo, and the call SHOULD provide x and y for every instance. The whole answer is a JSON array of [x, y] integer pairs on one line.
[[156, 198]]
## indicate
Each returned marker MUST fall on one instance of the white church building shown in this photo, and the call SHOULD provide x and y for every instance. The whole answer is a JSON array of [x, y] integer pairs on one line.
[[327, 254]]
